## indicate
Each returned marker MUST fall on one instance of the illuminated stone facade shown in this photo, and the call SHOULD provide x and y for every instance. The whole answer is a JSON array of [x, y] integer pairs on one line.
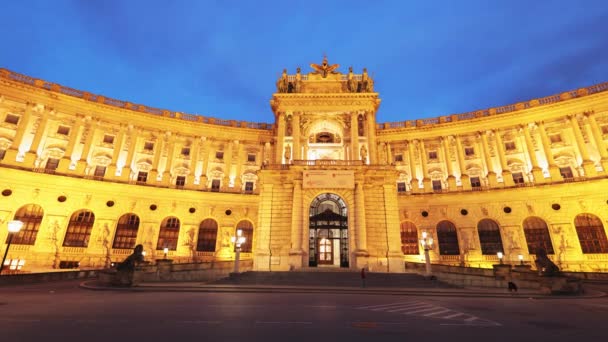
[[324, 186]]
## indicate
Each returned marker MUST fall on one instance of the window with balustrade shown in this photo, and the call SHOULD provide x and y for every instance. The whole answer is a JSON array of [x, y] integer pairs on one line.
[[51, 164], [437, 186], [475, 182], [247, 229], [591, 234], [566, 172], [489, 237], [79, 229], [100, 171], [401, 187], [180, 181], [537, 235], [31, 216], [249, 187], [215, 185], [168, 234], [207, 236], [126, 232], [447, 238], [518, 178], [142, 177], [409, 239]]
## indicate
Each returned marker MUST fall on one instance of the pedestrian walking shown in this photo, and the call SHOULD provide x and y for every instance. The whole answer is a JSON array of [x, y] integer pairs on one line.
[[363, 277]]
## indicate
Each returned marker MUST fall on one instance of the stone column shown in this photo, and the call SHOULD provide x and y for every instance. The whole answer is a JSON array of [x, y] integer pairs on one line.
[[194, 154], [354, 136], [166, 177], [65, 163], [492, 179], [227, 165], [295, 127], [91, 131], [393, 236], [125, 174], [389, 154], [261, 261], [360, 227], [280, 138], [32, 154], [205, 166], [553, 169], [159, 145], [238, 182], [448, 162], [13, 153], [412, 162], [507, 178], [371, 137], [120, 137], [537, 172], [296, 253], [464, 178], [426, 180], [588, 165], [599, 140]]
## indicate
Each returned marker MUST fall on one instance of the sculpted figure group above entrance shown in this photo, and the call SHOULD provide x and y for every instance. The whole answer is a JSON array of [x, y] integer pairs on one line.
[[324, 78]]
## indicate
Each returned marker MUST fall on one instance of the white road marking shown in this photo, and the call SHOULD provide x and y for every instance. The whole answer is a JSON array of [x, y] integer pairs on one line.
[[279, 322], [387, 305], [437, 312], [420, 306]]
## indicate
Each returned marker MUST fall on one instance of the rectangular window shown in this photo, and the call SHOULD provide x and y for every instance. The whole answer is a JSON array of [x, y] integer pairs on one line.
[[475, 182], [219, 154], [436, 185], [108, 139], [63, 130], [215, 185], [180, 181], [2, 154], [469, 151], [148, 146], [555, 138], [566, 172], [68, 264], [142, 176], [12, 119], [248, 186], [251, 158], [518, 178], [186, 151], [605, 129], [510, 145], [401, 187], [51, 164], [398, 158], [100, 171], [433, 155]]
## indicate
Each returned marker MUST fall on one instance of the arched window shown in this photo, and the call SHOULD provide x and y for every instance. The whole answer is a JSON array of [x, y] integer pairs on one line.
[[489, 237], [126, 231], [591, 233], [79, 229], [409, 238], [537, 235], [31, 216], [169, 232], [247, 229], [207, 236], [447, 238]]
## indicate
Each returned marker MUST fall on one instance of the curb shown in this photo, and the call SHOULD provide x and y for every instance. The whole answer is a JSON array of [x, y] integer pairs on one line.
[[95, 286]]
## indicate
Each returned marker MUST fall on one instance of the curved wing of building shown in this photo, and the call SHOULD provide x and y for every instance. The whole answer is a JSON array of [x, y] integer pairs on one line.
[[324, 186]]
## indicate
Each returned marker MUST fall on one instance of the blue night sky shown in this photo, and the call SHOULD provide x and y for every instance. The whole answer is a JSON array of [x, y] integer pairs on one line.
[[222, 58]]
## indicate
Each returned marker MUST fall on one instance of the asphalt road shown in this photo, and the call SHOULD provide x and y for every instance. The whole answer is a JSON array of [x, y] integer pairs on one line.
[[63, 311]]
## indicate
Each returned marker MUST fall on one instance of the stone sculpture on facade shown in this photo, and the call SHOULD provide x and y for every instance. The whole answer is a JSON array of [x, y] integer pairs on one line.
[[351, 83], [545, 266], [297, 84], [282, 83], [324, 68]]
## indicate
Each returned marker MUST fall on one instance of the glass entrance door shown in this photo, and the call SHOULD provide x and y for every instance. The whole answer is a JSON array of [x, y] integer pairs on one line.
[[326, 255]]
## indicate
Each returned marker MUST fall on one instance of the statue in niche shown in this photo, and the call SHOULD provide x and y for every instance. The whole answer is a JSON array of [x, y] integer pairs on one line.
[[297, 84], [363, 153], [282, 83], [324, 69], [287, 153], [351, 83]]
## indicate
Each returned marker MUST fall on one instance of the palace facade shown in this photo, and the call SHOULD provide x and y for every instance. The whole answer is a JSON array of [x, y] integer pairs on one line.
[[324, 186]]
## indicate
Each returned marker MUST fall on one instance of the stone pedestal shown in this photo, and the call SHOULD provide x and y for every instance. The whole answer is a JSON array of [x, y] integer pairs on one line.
[[538, 175], [10, 157], [507, 178], [261, 262], [81, 167], [125, 175], [296, 259], [502, 271], [492, 180], [452, 183], [164, 268], [64, 165], [589, 168], [560, 285], [556, 176], [466, 182], [30, 159]]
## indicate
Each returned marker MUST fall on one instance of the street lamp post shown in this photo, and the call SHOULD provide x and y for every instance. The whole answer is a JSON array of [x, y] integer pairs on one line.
[[238, 240], [427, 244], [13, 228], [499, 255], [166, 251]]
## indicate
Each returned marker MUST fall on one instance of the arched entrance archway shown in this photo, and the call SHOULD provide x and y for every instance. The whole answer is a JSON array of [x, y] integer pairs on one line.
[[328, 232]]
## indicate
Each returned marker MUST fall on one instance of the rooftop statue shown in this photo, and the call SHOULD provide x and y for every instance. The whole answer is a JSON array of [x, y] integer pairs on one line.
[[282, 83], [324, 69]]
